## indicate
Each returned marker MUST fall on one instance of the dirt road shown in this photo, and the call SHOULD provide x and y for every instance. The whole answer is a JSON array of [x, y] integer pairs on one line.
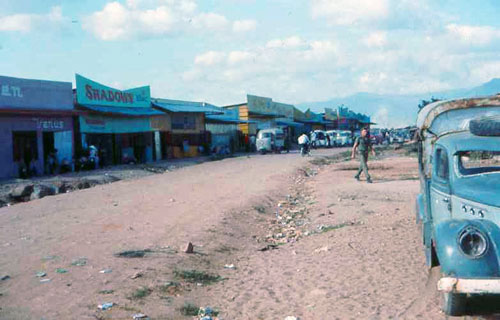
[[341, 249]]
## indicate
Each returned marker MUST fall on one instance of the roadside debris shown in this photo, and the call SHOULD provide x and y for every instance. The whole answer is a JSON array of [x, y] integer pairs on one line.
[[269, 247], [291, 318], [207, 313], [106, 271], [189, 248], [105, 306], [230, 266], [61, 270], [80, 262], [45, 280], [322, 249], [40, 274], [136, 275], [5, 277], [139, 316]]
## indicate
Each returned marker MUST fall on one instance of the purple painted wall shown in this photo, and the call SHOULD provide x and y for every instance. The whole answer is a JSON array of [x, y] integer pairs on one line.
[[40, 124], [16, 93]]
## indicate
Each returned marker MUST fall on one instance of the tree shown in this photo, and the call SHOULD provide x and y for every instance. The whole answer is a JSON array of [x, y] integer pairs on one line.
[[423, 103]]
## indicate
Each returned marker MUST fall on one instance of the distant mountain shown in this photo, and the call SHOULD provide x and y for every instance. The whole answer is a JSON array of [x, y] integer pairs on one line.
[[398, 110]]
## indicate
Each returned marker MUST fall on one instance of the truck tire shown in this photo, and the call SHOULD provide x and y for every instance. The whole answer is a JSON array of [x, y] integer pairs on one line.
[[485, 126], [454, 304]]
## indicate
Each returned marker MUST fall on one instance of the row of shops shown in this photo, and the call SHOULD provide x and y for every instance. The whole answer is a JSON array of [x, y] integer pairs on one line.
[[264, 113], [47, 126]]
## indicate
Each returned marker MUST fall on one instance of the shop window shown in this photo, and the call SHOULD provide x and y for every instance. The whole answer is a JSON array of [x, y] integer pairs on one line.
[[183, 122], [25, 146]]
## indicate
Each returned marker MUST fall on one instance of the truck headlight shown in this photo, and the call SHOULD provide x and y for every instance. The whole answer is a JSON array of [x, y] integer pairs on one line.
[[472, 242]]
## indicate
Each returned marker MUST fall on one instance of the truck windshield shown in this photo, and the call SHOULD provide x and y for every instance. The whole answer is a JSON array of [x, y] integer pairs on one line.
[[478, 162], [265, 135]]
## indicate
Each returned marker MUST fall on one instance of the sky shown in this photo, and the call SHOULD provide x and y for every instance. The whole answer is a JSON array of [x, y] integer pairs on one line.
[[217, 51]]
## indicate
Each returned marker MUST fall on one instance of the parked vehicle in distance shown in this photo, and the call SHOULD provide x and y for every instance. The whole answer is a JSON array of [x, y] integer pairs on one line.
[[320, 140], [270, 140], [458, 206], [344, 138], [332, 135], [376, 136]]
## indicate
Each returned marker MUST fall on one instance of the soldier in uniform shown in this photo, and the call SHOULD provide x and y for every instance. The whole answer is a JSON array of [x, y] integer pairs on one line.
[[364, 145]]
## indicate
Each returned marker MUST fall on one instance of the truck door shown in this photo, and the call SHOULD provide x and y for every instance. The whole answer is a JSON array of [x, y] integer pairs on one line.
[[440, 203]]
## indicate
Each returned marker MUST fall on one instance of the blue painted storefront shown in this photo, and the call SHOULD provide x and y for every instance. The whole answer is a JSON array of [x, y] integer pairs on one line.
[[121, 124], [35, 119]]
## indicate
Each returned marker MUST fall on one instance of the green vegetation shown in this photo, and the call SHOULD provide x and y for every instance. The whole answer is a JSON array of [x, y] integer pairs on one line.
[[140, 293], [194, 276], [189, 310]]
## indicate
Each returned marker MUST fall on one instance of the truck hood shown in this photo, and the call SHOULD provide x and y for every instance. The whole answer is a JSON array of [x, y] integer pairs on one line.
[[482, 189]]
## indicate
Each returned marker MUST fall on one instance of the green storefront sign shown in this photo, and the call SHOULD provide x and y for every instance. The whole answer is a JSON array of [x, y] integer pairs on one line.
[[89, 92]]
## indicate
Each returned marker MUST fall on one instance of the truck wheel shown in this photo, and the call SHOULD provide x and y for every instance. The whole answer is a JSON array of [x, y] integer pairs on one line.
[[454, 304]]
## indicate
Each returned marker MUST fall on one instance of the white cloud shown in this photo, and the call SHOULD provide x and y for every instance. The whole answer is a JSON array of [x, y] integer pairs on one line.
[[474, 35], [244, 25], [291, 42], [151, 18], [16, 22], [348, 12], [236, 57], [29, 22], [375, 39], [210, 21], [209, 58]]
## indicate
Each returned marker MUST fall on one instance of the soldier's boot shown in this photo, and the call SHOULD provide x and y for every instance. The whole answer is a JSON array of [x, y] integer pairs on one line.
[[356, 177], [369, 180]]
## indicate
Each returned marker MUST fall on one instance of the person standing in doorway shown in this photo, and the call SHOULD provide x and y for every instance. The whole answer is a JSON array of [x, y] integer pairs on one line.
[[364, 146]]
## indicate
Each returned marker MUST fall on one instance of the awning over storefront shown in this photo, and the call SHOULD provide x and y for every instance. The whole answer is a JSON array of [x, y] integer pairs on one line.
[[185, 106], [223, 119], [123, 111], [289, 123]]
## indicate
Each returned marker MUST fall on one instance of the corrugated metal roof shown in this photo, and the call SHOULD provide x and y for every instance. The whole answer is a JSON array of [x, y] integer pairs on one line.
[[125, 111], [186, 106], [225, 119], [289, 123]]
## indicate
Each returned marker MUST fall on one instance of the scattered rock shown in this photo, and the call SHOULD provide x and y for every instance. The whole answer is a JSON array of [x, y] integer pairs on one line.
[[136, 275], [42, 190], [230, 266], [291, 318], [106, 271], [61, 270], [4, 277], [189, 248], [139, 316], [21, 192], [45, 280]]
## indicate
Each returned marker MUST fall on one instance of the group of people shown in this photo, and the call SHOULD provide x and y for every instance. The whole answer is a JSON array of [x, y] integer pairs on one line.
[[362, 145]]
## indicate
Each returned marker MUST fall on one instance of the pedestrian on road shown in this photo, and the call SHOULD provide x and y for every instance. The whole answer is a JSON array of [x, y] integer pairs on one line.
[[364, 145]]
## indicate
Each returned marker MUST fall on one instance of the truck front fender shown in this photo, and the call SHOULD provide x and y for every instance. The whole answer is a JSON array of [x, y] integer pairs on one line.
[[455, 263]]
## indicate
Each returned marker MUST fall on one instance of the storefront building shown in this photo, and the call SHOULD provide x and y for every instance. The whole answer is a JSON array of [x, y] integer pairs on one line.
[[342, 118], [122, 125], [36, 126], [187, 136]]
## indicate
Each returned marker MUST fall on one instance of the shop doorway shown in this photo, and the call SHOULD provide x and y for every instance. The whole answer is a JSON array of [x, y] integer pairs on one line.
[[49, 157], [25, 152]]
